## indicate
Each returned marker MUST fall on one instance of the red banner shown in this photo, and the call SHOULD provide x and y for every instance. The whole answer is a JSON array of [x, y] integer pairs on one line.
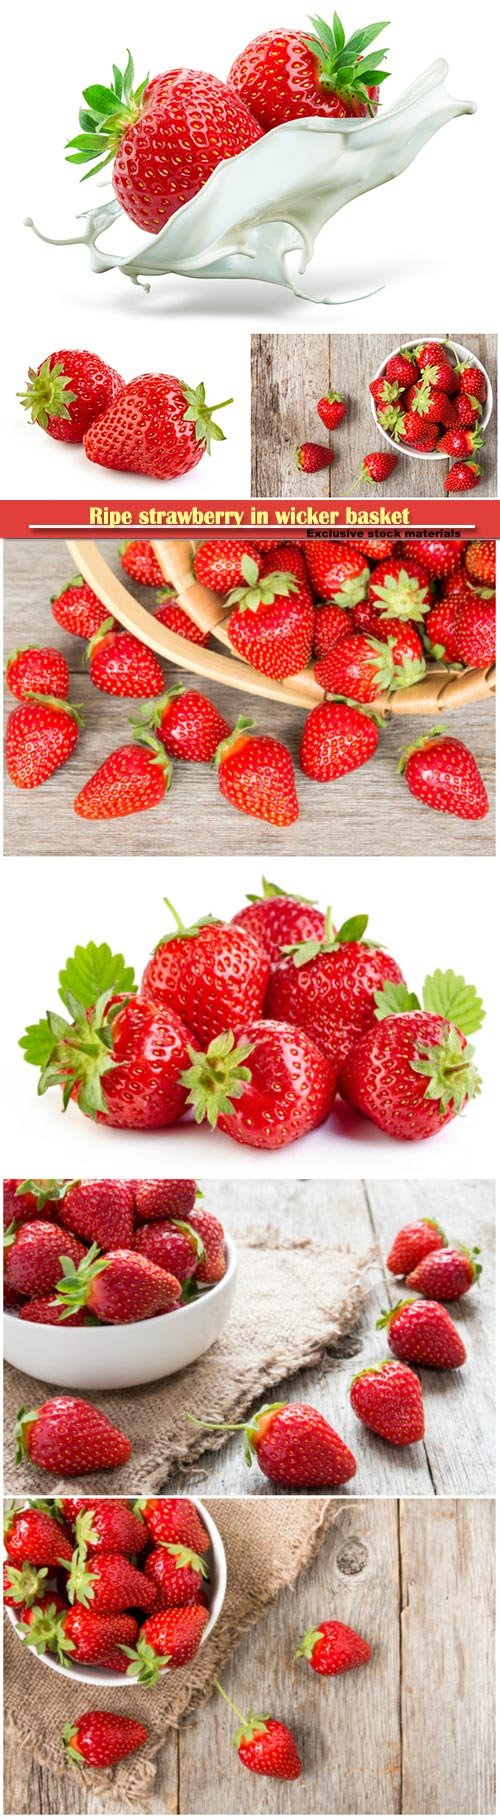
[[115, 517]]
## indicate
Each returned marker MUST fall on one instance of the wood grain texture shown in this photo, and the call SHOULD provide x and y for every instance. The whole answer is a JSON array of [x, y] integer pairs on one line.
[[291, 372], [369, 812], [411, 1733]]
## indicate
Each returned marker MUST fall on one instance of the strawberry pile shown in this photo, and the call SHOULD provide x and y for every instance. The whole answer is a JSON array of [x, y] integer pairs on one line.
[[107, 1583], [154, 424], [253, 1025], [428, 400], [106, 1253]]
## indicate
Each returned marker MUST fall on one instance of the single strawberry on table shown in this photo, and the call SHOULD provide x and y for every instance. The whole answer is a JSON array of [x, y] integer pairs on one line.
[[412, 1243], [293, 1444], [212, 970], [256, 775], [441, 772], [448, 1274], [39, 671], [277, 917], [421, 1332], [101, 1738], [336, 738], [333, 1648], [41, 735], [188, 724], [332, 409], [310, 457], [68, 1436], [121, 1287], [66, 393], [120, 665], [462, 477], [156, 426], [130, 780], [376, 467], [264, 1745], [264, 1086], [271, 621], [139, 561], [329, 988], [219, 564], [289, 75], [387, 1398], [77, 609], [413, 1070], [170, 1638]]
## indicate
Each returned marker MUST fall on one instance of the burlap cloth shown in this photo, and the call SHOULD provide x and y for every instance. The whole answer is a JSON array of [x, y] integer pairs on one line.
[[267, 1547], [295, 1301]]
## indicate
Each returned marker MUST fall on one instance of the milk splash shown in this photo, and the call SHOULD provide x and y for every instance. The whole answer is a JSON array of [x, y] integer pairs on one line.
[[259, 214]]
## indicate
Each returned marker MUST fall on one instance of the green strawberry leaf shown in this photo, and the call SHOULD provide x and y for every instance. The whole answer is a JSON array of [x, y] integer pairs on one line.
[[448, 995], [92, 971], [38, 1043], [393, 999]]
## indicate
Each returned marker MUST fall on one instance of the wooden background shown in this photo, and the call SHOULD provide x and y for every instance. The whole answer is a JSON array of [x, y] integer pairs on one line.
[[285, 391], [411, 1733], [369, 812]]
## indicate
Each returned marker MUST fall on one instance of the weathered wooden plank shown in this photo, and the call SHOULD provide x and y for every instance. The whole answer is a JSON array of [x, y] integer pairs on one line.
[[447, 1656], [31, 1789]]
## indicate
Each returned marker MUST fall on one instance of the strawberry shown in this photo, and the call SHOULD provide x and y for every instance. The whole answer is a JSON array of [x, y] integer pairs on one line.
[[338, 572], [100, 1640], [41, 735], [387, 1398], [277, 917], [120, 665], [213, 969], [33, 1259], [429, 404], [266, 1746], [332, 409], [27, 1200], [256, 775], [417, 431], [169, 1639], [362, 667], [68, 391], [32, 1535], [187, 723], [107, 1525], [102, 1738], [38, 1624], [218, 565], [174, 1520], [376, 548], [400, 588], [441, 556], [69, 1436], [330, 623], [157, 426], [120, 1287], [412, 1243], [447, 1274], [401, 369], [286, 75], [328, 988], [272, 621], [480, 562], [294, 1445], [101, 1212], [131, 779], [336, 739], [375, 468], [404, 640], [383, 393], [432, 353], [471, 380], [333, 1648], [139, 561], [211, 1265], [77, 609], [22, 1584], [468, 410], [109, 1584], [442, 772], [164, 1199], [44, 1311], [165, 137], [460, 442], [172, 615], [286, 1091], [177, 1574], [462, 477], [421, 1332], [441, 630], [311, 456], [413, 1071], [476, 633], [174, 1248], [37, 671]]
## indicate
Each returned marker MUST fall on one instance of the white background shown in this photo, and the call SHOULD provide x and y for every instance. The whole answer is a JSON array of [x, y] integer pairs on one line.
[[425, 912]]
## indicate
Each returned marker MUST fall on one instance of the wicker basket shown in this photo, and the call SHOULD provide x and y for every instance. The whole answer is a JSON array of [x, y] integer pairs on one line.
[[438, 692]]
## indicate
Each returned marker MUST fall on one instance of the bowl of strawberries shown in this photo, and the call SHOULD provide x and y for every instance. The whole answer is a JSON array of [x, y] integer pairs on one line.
[[105, 1588], [129, 1280], [433, 399]]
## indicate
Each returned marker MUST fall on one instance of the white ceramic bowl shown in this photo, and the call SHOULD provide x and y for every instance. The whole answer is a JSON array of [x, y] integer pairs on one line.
[[464, 353], [103, 1676], [117, 1357]]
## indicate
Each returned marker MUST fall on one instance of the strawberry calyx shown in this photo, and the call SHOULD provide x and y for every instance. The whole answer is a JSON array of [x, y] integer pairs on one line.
[[260, 591], [351, 591], [217, 1077], [145, 1663], [47, 394], [471, 1255], [184, 1557], [333, 939], [156, 752], [254, 1431], [275, 890], [68, 1734], [165, 593], [332, 398], [76, 581], [151, 715], [251, 1726], [72, 1291], [181, 931], [308, 1644], [391, 675], [44, 1632], [237, 738], [79, 1055], [81, 1580], [24, 1422], [43, 1191], [401, 597], [449, 1070], [372, 1370], [25, 1582], [360, 707], [343, 68], [105, 118], [388, 1314], [201, 414], [445, 995], [108, 625], [197, 1245], [63, 707], [420, 745]]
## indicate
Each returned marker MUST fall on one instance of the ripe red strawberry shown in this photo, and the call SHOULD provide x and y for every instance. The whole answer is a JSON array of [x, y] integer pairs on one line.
[[417, 431], [174, 1248], [130, 780], [441, 556], [120, 665], [22, 1585], [328, 988], [169, 1639], [31, 1535], [471, 380], [294, 1445], [400, 588], [172, 615], [410, 1074], [460, 442], [120, 1287], [188, 724], [37, 1627], [45, 1311], [413, 1242], [101, 1212], [37, 671], [211, 1266], [277, 917], [383, 393], [256, 775], [109, 1584], [264, 1745], [218, 564], [336, 739], [41, 735], [441, 630], [157, 426], [462, 477], [214, 969], [164, 1199], [447, 1274], [119, 1061], [338, 572], [272, 621], [401, 369], [69, 1436], [442, 772], [362, 667], [468, 410], [102, 1738], [265, 1088], [376, 548], [87, 1636], [33, 1254], [429, 404], [24, 1201], [480, 562], [333, 1648], [432, 353], [68, 391], [107, 1525], [375, 468], [174, 1520], [388, 1399], [330, 623], [332, 409], [475, 633], [139, 561], [286, 75], [77, 609], [421, 1332], [404, 639], [165, 137], [311, 456], [177, 1574]]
